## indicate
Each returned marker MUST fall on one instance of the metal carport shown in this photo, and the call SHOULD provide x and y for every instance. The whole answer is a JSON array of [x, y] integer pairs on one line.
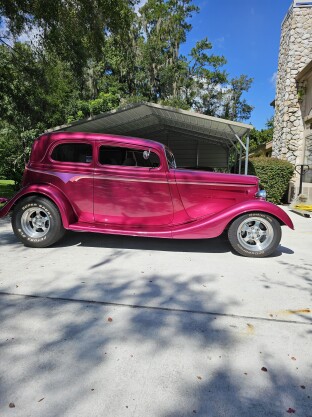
[[195, 139]]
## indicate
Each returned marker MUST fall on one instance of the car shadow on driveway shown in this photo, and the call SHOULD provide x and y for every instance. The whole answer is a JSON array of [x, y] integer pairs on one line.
[[219, 244], [97, 240]]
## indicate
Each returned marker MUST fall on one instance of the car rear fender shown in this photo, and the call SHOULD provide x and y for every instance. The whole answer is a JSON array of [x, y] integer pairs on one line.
[[46, 190], [215, 224]]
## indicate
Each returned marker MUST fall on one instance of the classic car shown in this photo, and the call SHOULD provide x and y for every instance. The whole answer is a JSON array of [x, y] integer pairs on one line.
[[129, 186]]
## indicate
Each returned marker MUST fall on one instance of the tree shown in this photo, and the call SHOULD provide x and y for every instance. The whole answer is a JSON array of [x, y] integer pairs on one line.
[[259, 137], [88, 108], [35, 89], [234, 107], [165, 26], [36, 92], [91, 56], [206, 79], [74, 30]]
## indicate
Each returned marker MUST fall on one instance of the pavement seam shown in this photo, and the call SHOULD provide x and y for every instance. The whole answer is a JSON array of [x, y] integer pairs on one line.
[[175, 310]]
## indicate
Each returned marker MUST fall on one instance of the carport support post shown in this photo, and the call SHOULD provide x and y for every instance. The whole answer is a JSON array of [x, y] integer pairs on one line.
[[247, 155], [197, 154], [240, 159], [242, 145]]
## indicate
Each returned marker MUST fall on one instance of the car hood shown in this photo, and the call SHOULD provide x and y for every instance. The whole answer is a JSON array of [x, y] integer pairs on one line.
[[186, 175], [206, 193]]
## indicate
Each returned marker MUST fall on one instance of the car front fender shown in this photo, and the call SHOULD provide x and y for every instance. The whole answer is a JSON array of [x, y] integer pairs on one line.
[[54, 194], [215, 224]]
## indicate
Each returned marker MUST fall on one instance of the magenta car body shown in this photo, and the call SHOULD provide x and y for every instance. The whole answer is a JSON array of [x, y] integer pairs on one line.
[[129, 186]]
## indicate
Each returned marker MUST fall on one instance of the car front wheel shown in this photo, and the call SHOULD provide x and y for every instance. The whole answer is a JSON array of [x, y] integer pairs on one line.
[[255, 234], [36, 221]]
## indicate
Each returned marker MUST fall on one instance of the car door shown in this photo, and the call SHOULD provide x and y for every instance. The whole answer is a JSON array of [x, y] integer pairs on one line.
[[71, 167], [130, 190]]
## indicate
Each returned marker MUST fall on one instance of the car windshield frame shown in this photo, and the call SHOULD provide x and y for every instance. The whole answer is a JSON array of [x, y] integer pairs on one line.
[[170, 159]]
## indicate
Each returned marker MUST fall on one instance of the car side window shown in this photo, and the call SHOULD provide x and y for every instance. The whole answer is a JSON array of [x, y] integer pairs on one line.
[[73, 152], [112, 155]]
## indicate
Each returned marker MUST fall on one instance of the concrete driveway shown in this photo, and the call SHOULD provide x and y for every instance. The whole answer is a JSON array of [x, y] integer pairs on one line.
[[117, 326]]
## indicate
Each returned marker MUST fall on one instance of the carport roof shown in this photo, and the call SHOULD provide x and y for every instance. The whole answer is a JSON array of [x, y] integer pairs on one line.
[[149, 120]]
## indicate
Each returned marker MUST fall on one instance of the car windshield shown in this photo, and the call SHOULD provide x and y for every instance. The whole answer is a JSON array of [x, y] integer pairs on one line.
[[170, 159]]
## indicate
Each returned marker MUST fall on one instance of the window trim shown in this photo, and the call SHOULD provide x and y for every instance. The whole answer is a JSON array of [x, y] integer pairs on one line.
[[66, 142], [127, 167]]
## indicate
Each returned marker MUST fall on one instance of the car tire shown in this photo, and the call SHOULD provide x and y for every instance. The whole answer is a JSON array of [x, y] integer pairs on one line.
[[255, 235], [36, 221]]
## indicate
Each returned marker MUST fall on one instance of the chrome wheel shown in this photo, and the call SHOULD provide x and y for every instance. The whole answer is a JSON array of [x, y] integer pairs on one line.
[[35, 222], [255, 234]]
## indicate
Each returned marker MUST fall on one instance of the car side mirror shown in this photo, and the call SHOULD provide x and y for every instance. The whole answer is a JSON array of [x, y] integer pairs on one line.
[[146, 154]]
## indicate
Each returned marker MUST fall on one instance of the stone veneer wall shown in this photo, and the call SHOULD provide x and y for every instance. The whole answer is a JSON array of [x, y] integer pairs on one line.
[[295, 53]]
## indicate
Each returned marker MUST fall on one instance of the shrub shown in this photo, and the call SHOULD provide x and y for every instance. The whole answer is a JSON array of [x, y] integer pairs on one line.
[[274, 175], [14, 151]]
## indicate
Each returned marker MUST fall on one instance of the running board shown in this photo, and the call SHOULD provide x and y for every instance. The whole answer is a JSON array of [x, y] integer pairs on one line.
[[120, 230]]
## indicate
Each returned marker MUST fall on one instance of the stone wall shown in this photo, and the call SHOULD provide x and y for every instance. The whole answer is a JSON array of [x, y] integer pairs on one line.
[[295, 54]]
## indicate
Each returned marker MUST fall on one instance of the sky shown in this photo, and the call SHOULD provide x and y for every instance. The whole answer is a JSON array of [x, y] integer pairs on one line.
[[247, 33]]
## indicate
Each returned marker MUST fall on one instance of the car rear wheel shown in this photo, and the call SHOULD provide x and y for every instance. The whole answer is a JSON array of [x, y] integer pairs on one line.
[[36, 221], [255, 234]]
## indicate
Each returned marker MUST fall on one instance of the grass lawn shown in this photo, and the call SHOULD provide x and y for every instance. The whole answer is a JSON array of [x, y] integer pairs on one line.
[[6, 189]]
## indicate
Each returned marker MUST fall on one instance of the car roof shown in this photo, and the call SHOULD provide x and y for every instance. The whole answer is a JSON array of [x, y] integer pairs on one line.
[[59, 136]]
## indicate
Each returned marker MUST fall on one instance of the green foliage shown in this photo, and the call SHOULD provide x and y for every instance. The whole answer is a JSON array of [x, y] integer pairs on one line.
[[176, 102], [259, 137], [234, 107], [86, 49], [164, 26], [74, 30], [274, 175], [87, 57], [35, 88], [103, 103], [145, 63], [14, 151], [6, 189]]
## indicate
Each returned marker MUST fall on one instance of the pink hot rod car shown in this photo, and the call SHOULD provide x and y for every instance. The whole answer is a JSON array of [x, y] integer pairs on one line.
[[130, 186]]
